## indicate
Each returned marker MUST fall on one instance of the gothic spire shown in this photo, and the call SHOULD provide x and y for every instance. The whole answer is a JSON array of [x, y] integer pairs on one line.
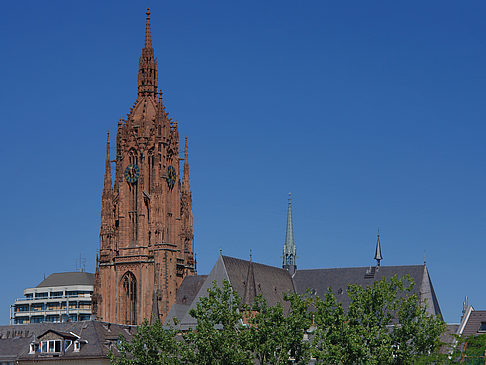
[[186, 183], [148, 39], [289, 249], [147, 66], [107, 189], [378, 256], [107, 218]]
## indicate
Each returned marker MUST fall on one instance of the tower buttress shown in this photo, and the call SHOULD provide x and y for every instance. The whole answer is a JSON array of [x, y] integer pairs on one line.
[[289, 249]]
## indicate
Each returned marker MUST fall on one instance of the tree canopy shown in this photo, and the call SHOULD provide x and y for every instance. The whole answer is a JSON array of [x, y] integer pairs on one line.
[[384, 324]]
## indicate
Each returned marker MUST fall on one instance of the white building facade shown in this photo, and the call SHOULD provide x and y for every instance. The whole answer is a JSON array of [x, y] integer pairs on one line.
[[61, 297]]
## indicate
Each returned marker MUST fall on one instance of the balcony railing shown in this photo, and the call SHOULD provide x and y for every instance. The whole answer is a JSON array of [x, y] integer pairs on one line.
[[54, 297]]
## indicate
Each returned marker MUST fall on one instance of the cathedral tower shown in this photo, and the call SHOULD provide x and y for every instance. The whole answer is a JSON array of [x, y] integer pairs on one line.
[[146, 234]]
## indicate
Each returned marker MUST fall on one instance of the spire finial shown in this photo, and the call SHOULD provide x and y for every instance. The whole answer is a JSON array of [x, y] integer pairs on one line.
[[250, 255], [378, 256], [148, 39]]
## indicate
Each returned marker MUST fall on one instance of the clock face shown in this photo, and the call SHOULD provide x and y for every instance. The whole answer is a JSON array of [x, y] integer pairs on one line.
[[132, 173], [171, 177]]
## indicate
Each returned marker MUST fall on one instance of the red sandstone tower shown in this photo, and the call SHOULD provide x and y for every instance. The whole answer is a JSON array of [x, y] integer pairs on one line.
[[146, 234]]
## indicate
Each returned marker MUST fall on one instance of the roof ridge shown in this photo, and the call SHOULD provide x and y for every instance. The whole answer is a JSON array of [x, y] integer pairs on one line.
[[362, 267], [255, 263]]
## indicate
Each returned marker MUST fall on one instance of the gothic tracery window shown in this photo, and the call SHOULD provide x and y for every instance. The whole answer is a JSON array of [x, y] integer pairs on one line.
[[128, 309]]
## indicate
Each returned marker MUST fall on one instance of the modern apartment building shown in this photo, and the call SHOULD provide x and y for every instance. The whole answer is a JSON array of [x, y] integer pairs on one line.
[[61, 297]]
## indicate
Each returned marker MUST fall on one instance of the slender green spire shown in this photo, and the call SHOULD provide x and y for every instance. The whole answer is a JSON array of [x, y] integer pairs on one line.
[[289, 249]]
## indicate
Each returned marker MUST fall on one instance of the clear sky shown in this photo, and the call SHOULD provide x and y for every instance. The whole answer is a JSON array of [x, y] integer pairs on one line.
[[372, 113]]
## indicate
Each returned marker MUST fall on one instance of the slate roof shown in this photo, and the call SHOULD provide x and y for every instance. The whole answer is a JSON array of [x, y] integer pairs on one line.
[[250, 279], [474, 322], [10, 348], [97, 337], [448, 339], [338, 279], [269, 281], [67, 278], [247, 278], [185, 295], [189, 288]]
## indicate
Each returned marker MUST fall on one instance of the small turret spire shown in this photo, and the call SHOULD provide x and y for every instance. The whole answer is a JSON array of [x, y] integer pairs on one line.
[[107, 184], [107, 218], [186, 183], [378, 256], [148, 38], [289, 249]]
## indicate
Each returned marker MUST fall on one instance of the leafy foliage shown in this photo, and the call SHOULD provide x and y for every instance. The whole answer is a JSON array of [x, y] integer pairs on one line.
[[277, 338], [384, 324], [474, 349], [152, 344], [218, 337]]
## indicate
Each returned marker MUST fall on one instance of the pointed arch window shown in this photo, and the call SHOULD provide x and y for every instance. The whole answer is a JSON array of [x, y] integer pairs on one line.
[[128, 291]]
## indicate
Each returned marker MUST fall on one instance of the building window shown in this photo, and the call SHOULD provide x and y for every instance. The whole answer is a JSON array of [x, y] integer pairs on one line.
[[37, 307], [34, 347], [22, 308], [51, 346], [76, 346], [84, 317], [84, 305], [36, 319], [54, 318], [129, 298], [21, 320], [482, 327]]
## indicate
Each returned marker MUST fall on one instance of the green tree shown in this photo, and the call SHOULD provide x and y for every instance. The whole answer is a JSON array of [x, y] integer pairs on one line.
[[473, 349], [332, 341], [151, 345], [275, 337], [385, 324], [217, 337]]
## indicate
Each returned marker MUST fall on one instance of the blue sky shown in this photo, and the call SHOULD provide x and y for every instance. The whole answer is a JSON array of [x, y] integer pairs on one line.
[[371, 113]]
